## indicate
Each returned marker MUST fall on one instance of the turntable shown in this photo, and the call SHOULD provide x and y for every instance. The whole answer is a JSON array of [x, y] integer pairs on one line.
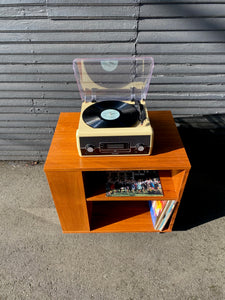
[[114, 118]]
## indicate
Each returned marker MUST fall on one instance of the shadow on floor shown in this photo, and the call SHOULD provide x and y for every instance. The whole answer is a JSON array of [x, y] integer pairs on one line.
[[204, 196]]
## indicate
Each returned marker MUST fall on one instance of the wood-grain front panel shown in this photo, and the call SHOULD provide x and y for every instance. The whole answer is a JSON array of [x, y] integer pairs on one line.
[[68, 195]]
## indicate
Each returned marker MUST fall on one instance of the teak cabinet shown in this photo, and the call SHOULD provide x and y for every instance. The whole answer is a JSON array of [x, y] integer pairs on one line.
[[79, 191]]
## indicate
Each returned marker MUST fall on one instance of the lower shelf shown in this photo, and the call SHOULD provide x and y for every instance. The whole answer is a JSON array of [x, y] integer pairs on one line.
[[114, 216]]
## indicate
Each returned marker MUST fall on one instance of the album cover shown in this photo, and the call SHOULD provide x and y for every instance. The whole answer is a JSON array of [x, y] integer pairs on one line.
[[160, 212], [133, 184], [166, 215], [156, 209]]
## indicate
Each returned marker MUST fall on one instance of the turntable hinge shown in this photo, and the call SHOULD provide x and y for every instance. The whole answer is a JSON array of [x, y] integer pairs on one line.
[[143, 96]]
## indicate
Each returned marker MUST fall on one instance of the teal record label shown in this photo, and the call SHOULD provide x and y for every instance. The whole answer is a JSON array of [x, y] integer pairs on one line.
[[109, 65], [110, 114]]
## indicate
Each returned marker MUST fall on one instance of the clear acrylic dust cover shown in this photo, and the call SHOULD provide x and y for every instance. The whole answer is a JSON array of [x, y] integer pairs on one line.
[[113, 78]]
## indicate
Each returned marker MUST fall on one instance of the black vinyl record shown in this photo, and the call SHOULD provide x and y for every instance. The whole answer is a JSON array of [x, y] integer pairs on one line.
[[110, 114]]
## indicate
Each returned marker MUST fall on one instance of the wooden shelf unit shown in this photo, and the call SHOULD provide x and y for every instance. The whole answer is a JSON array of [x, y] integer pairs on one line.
[[78, 191]]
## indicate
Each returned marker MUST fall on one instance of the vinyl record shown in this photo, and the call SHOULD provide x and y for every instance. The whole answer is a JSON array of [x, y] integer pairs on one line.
[[110, 114]]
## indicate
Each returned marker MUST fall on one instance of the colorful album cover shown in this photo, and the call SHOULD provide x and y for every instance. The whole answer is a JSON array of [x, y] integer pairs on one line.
[[156, 209], [133, 184], [166, 215]]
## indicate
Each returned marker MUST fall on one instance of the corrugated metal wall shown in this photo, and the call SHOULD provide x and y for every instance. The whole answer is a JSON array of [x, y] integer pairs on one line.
[[39, 40]]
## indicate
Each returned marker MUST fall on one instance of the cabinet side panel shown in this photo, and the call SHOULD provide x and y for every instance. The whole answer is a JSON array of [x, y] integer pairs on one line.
[[69, 198], [179, 179]]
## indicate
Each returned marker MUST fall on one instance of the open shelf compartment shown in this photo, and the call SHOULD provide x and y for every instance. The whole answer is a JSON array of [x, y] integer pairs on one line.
[[95, 188], [120, 216]]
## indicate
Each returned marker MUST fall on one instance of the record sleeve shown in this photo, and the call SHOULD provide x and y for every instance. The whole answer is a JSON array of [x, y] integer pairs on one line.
[[156, 209], [166, 214], [133, 184]]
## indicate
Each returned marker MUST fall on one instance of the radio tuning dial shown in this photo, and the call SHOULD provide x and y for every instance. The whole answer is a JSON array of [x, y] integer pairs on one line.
[[90, 148], [140, 147]]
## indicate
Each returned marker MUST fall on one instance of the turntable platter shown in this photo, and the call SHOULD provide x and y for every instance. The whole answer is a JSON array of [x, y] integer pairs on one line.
[[110, 114]]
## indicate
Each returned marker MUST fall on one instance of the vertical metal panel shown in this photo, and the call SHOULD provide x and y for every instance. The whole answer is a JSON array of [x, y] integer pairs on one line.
[[39, 39]]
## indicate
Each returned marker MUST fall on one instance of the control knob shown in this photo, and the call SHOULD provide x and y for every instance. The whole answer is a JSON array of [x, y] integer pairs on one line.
[[90, 148], [140, 147]]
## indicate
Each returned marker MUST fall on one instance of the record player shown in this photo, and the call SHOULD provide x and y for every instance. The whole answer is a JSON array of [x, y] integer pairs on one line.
[[114, 118]]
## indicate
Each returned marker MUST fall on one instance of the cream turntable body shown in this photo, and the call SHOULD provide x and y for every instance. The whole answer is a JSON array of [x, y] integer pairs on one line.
[[114, 119]]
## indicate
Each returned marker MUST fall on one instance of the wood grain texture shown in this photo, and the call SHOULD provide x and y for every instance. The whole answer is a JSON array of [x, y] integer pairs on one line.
[[68, 195], [180, 179], [121, 217]]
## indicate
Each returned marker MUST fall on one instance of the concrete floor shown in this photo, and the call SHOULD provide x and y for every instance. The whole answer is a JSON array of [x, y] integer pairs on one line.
[[37, 261]]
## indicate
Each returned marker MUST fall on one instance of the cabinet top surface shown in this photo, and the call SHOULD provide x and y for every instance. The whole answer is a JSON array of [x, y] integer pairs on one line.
[[168, 150]]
